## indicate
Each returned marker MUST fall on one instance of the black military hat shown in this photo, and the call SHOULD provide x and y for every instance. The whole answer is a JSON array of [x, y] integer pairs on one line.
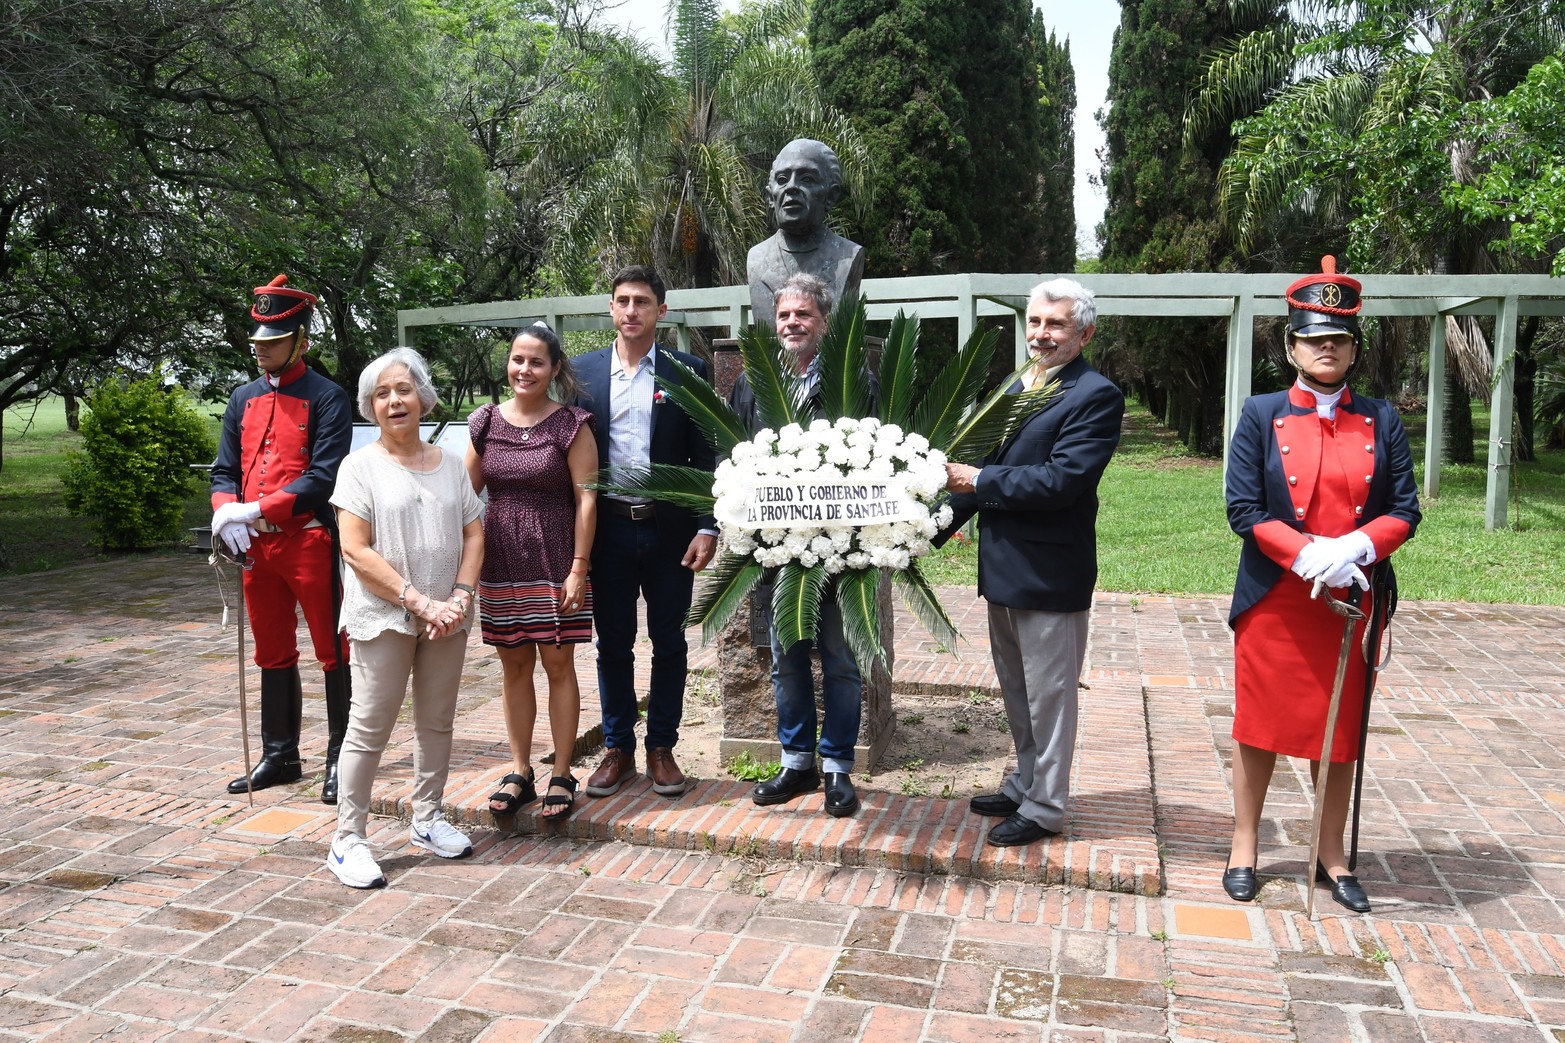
[[1324, 303], [281, 310]]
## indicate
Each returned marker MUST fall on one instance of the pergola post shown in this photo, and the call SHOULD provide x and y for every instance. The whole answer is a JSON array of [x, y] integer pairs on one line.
[[1434, 424], [1241, 358], [1502, 403]]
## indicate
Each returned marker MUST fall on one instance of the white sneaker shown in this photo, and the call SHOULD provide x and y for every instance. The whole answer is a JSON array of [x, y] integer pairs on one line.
[[351, 860], [441, 838]]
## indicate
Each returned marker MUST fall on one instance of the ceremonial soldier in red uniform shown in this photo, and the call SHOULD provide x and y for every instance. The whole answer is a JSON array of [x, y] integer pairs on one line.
[[1320, 487], [284, 435]]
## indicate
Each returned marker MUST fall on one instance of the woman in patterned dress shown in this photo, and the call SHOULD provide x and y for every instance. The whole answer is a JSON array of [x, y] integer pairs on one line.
[[536, 457], [1319, 487]]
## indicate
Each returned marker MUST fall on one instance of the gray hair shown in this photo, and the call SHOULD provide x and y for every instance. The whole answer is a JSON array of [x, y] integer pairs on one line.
[[812, 288], [1084, 307], [418, 370]]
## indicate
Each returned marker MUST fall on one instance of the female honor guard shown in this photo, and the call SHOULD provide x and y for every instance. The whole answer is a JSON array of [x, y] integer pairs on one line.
[[284, 435], [1319, 487]]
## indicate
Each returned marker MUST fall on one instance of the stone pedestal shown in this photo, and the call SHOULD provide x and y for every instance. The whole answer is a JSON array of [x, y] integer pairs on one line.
[[744, 671]]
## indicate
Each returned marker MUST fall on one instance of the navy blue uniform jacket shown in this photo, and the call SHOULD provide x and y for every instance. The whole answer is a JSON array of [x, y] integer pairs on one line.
[[1037, 499]]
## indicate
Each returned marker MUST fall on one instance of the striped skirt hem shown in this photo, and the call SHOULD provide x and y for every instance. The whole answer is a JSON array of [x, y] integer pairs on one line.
[[513, 614]]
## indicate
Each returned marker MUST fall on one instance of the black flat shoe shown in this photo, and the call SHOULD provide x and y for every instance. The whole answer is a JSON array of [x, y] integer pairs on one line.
[[1240, 883], [785, 785], [1346, 890], [1016, 831], [841, 799], [267, 773], [997, 805]]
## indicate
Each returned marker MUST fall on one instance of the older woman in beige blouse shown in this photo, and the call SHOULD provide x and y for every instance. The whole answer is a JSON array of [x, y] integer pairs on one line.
[[414, 544]]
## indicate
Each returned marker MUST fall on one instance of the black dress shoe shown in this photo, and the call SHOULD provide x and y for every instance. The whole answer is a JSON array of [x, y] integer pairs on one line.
[[1240, 883], [997, 805], [785, 785], [1346, 890], [840, 797], [1016, 831]]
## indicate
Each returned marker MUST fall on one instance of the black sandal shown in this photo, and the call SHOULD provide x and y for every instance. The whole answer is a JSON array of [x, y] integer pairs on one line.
[[564, 782], [528, 793]]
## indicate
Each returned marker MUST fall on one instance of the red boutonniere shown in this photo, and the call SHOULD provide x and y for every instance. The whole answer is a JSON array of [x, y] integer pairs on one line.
[[658, 396]]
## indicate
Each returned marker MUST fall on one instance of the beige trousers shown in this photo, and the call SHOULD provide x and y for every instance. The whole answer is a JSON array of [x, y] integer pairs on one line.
[[382, 667]]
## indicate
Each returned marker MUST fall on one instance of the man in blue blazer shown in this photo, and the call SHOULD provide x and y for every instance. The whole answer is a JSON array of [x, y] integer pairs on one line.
[[642, 548], [1037, 503]]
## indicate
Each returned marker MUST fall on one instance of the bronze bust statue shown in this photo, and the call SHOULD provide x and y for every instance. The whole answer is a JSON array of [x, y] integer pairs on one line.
[[805, 181]]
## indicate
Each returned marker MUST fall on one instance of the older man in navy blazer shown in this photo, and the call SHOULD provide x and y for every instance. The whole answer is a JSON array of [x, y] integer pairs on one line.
[[1037, 503], [642, 548]]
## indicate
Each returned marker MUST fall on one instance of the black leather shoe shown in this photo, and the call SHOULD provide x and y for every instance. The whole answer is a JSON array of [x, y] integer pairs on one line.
[[1240, 883], [785, 785], [841, 799], [997, 805], [1346, 890], [1016, 831]]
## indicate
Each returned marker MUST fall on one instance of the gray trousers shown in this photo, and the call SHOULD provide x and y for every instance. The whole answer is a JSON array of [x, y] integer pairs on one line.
[[1038, 658]]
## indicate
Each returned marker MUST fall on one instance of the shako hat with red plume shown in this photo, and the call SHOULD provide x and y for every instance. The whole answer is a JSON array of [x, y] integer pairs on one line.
[[1325, 303], [280, 309]]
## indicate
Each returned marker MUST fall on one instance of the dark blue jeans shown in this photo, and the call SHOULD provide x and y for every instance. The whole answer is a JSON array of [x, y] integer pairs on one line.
[[630, 561], [841, 694]]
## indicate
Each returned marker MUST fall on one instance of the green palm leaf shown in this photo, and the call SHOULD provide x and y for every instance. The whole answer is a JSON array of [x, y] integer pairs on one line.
[[722, 592], [796, 602], [898, 370], [945, 402], [844, 381], [766, 367], [920, 597], [994, 421], [688, 487], [706, 409], [858, 596]]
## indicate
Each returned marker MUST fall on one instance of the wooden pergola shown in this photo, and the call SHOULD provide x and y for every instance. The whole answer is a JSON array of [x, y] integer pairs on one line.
[[1238, 299]]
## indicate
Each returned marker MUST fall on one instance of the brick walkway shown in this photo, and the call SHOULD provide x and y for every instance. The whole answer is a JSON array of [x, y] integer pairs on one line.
[[138, 901]]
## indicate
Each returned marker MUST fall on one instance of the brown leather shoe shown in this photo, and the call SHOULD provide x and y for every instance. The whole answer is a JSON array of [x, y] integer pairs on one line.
[[618, 767], [667, 779]]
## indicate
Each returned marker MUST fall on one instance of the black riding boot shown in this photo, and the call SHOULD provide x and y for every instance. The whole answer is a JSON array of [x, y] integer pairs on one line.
[[339, 694], [282, 706]]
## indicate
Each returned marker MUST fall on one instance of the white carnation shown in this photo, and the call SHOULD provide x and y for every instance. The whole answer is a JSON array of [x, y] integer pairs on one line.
[[858, 560]]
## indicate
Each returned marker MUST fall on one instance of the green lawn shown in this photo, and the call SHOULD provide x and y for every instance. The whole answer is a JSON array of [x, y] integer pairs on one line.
[[1161, 528]]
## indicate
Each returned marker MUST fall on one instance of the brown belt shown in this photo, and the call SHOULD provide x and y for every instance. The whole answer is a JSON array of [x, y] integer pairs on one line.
[[633, 511]]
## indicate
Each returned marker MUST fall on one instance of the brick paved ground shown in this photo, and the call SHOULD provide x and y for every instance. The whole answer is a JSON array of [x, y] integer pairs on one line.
[[138, 901]]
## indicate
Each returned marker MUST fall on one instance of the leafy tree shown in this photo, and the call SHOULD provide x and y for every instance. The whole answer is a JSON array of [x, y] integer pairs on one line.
[[945, 95], [1053, 218], [1364, 129], [1161, 214]]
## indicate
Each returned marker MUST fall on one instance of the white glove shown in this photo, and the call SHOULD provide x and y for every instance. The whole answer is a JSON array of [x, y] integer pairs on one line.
[[231, 524], [1361, 547], [1341, 576], [1314, 559]]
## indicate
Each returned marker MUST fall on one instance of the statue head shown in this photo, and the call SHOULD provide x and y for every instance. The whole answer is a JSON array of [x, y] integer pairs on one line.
[[805, 181]]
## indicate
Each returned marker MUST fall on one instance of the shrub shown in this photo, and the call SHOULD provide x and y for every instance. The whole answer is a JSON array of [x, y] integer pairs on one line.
[[133, 472]]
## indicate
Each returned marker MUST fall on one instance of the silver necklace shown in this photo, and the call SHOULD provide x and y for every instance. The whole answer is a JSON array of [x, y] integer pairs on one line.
[[415, 477], [526, 431]]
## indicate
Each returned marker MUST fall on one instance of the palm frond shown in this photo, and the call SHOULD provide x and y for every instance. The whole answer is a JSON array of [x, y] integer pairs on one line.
[[858, 596], [688, 487], [920, 598], [766, 366], [705, 408], [722, 592], [796, 602], [945, 401], [994, 421], [1237, 78], [844, 383], [898, 370]]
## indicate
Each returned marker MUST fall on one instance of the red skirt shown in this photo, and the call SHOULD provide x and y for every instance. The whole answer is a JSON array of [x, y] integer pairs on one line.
[[1285, 661]]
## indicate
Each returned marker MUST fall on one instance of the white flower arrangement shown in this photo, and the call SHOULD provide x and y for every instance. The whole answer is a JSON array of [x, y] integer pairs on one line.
[[850, 453]]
